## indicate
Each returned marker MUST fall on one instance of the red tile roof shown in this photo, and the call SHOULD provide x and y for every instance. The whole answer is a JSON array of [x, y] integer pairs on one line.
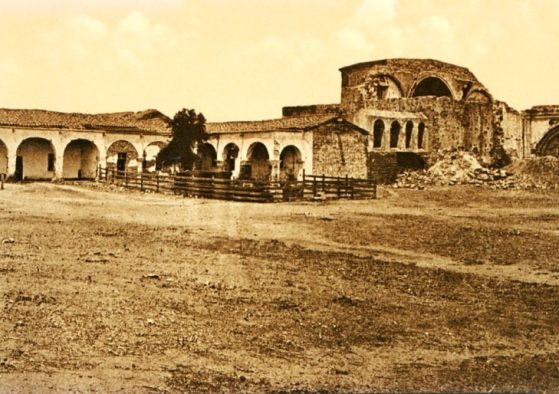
[[145, 121]]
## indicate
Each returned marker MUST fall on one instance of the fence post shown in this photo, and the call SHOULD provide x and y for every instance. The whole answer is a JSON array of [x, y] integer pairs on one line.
[[2, 181], [157, 183], [142, 181], [338, 183], [314, 187], [346, 185], [323, 183]]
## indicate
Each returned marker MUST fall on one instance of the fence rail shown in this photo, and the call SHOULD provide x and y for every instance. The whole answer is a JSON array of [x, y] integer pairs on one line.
[[310, 187]]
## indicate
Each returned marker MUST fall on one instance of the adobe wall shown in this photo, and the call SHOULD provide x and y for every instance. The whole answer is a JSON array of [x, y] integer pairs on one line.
[[339, 150]]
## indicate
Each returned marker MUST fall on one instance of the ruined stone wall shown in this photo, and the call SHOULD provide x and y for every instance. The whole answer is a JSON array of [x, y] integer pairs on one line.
[[384, 167], [339, 151], [539, 122], [361, 83], [508, 133], [316, 109], [450, 124]]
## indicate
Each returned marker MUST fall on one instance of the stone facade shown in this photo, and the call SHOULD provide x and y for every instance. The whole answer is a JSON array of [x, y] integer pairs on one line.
[[339, 150]]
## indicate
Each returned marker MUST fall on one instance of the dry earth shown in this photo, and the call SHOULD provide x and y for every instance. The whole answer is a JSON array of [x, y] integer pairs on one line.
[[445, 289]]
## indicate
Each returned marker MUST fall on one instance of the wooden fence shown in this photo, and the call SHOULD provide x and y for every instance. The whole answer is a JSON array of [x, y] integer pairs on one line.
[[310, 187]]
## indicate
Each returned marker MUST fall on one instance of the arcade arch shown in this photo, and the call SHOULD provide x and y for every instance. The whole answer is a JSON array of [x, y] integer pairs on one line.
[[35, 159], [80, 160], [122, 156], [291, 163]]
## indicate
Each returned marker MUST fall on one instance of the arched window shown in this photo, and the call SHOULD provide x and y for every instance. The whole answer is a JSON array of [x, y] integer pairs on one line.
[[420, 135], [394, 134], [409, 129], [432, 86], [378, 131]]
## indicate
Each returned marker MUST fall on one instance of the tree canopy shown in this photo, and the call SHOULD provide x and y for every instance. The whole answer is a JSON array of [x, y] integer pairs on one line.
[[189, 131]]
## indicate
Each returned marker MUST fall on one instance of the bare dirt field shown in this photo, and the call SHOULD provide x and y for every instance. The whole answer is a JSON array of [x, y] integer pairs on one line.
[[444, 289]]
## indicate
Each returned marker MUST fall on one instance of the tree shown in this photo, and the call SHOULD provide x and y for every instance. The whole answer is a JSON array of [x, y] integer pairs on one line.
[[189, 131]]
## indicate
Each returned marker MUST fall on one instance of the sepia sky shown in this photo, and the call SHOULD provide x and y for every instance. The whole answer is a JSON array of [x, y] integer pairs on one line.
[[245, 59]]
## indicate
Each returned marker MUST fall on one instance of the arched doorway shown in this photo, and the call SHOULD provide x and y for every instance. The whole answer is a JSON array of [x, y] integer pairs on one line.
[[258, 166], [35, 159], [208, 157], [431, 86], [394, 134], [290, 163], [230, 154], [3, 158], [549, 144], [378, 131], [122, 156], [80, 161]]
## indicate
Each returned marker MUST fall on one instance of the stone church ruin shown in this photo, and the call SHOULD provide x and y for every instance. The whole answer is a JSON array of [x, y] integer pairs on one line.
[[393, 115]]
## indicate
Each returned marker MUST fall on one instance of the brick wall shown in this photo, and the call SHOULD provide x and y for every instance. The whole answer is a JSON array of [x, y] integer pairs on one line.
[[339, 150]]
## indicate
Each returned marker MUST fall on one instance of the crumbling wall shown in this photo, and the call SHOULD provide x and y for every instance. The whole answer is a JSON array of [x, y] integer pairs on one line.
[[385, 79], [540, 123], [450, 124], [508, 134], [339, 150], [316, 109], [384, 167]]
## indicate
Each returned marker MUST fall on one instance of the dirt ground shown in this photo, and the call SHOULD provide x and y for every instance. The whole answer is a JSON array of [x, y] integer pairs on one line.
[[444, 289]]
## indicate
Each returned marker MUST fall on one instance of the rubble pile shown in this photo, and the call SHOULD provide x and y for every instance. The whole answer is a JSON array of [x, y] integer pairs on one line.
[[463, 168]]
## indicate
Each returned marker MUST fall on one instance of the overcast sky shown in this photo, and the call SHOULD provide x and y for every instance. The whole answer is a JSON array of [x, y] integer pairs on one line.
[[245, 59]]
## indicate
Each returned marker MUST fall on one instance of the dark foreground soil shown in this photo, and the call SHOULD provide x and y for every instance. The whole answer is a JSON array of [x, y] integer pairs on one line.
[[453, 289]]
